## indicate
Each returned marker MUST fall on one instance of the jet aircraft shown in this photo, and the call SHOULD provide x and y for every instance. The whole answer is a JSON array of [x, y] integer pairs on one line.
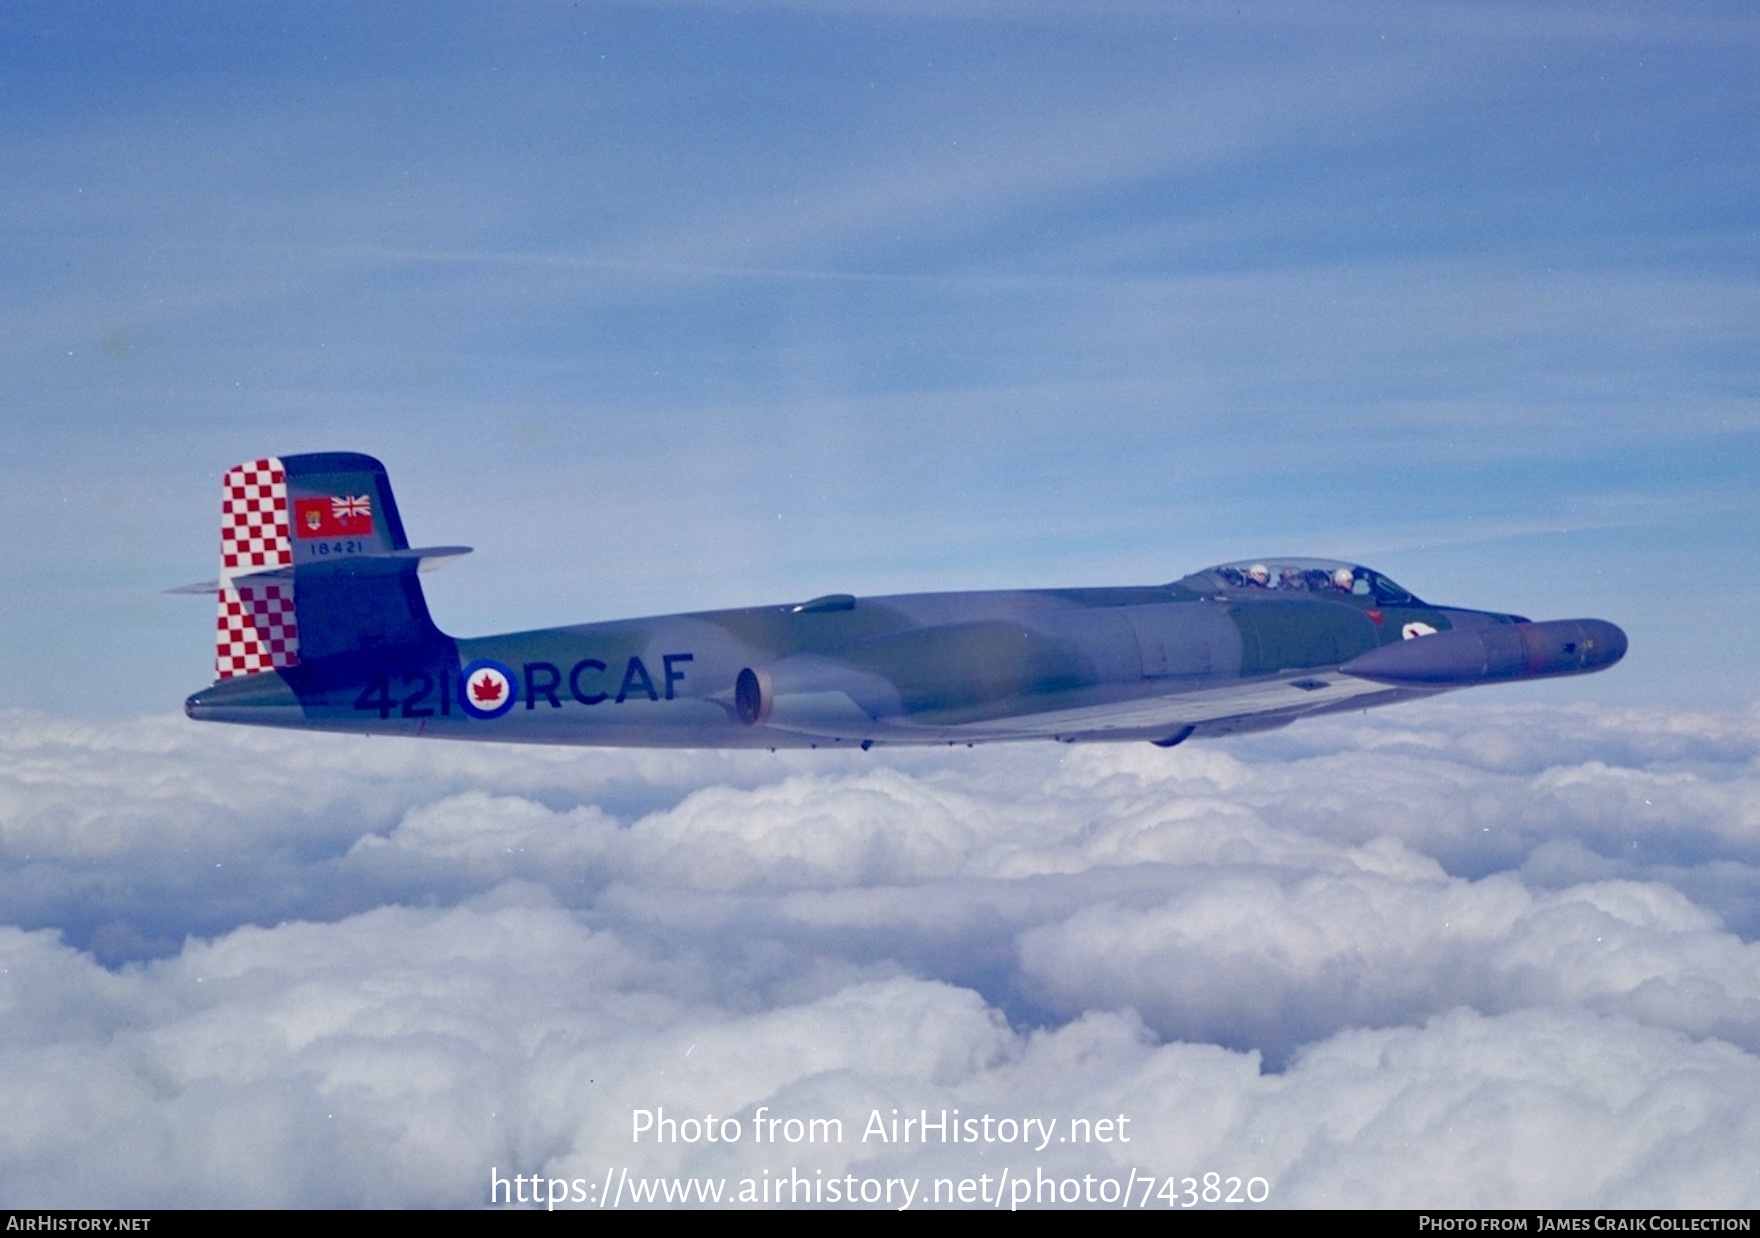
[[323, 626]]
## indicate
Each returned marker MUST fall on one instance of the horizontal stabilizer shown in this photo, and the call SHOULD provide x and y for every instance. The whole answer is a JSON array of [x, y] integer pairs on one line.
[[428, 559]]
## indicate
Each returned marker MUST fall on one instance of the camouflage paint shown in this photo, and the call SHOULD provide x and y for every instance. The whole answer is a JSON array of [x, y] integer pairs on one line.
[[1231, 649]]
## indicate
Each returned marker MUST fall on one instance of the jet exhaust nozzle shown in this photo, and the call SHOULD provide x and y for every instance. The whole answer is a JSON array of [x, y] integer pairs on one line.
[[1501, 653]]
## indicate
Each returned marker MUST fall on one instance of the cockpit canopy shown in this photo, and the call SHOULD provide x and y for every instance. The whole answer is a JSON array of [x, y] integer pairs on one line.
[[1327, 578]]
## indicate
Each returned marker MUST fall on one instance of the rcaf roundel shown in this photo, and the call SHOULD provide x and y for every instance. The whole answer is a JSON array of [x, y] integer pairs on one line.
[[487, 688]]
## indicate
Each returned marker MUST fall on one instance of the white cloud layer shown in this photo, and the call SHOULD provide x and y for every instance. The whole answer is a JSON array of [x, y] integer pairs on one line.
[[1460, 954]]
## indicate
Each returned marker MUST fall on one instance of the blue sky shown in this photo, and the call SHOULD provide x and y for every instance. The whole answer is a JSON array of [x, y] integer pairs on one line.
[[671, 306]]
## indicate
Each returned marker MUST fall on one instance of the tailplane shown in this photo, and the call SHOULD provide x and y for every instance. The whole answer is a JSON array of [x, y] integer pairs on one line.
[[314, 563]]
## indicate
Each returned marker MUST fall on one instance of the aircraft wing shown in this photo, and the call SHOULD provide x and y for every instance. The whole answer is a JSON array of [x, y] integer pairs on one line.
[[1224, 708], [1291, 697]]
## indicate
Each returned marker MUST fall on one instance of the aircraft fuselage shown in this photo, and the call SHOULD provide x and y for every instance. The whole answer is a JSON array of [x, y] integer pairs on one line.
[[1160, 663], [322, 624]]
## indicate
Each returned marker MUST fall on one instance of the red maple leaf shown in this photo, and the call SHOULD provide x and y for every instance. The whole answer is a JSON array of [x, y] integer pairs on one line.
[[486, 688]]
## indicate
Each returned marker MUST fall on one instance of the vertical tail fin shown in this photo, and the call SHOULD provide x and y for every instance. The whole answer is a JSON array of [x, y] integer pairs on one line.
[[314, 563], [258, 628]]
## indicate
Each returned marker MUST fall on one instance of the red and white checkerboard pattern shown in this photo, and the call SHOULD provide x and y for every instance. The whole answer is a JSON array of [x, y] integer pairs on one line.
[[253, 518], [257, 629]]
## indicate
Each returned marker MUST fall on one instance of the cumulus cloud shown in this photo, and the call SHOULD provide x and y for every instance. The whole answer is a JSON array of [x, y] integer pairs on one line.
[[1455, 954]]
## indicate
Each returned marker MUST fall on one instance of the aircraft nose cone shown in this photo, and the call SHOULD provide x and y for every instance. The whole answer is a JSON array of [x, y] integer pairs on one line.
[[1603, 644], [1495, 653]]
